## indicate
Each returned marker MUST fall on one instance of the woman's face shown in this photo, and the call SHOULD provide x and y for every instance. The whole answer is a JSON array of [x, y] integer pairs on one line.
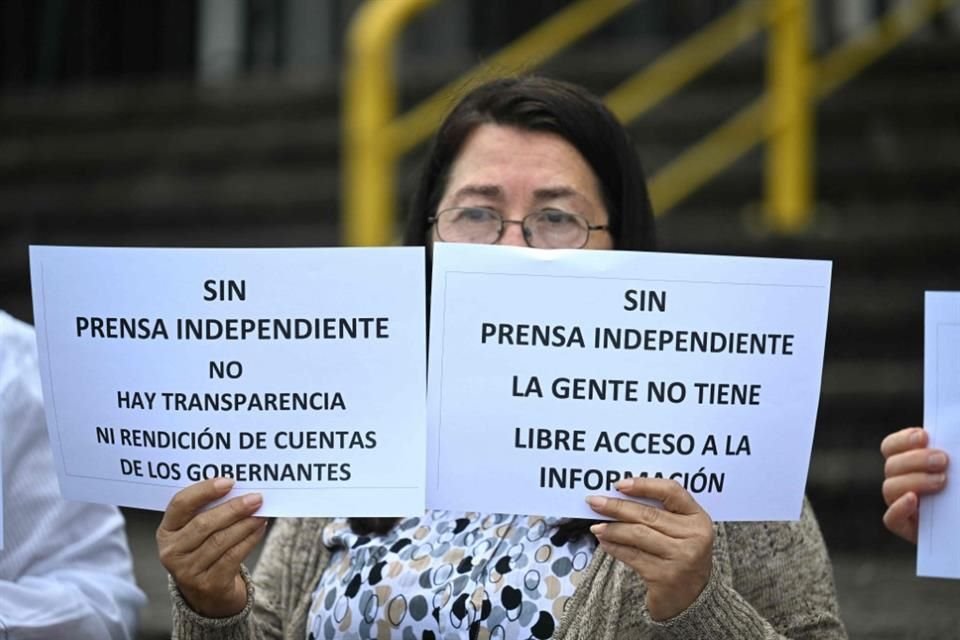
[[518, 172]]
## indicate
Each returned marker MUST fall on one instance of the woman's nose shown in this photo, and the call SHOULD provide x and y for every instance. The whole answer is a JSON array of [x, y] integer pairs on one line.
[[512, 234]]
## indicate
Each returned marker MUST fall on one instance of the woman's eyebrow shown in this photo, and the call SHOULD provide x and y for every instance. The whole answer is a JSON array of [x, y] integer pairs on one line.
[[555, 193], [478, 190]]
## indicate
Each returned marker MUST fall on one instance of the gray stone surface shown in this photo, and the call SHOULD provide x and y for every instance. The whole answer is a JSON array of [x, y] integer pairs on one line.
[[881, 598]]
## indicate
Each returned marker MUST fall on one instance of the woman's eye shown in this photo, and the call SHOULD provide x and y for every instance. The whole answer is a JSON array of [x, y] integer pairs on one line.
[[556, 217], [474, 214]]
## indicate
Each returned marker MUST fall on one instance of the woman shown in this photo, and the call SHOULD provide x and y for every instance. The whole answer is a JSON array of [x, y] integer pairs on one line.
[[534, 162], [911, 469]]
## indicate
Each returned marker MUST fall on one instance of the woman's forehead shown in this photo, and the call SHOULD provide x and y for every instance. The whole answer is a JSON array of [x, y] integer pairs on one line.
[[497, 159]]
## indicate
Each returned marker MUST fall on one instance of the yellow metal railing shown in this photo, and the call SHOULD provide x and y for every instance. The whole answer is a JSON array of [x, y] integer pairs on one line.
[[373, 140], [757, 121], [528, 52], [670, 73], [375, 137], [369, 106], [788, 176]]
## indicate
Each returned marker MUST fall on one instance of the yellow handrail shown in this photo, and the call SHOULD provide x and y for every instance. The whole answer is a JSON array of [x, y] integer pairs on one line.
[[697, 165], [369, 106], [373, 138], [788, 178], [687, 60], [701, 162], [850, 58], [526, 53]]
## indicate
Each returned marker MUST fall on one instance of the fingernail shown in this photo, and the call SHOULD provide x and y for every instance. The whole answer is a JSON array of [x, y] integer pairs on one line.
[[936, 461], [598, 529], [252, 498], [223, 484], [626, 483], [916, 437], [937, 480], [597, 502]]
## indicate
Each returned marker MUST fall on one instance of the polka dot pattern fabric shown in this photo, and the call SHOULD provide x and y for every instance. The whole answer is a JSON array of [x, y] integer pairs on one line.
[[448, 576]]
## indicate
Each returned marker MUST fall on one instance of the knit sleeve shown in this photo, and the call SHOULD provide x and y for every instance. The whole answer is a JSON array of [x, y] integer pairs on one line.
[[264, 615], [781, 587]]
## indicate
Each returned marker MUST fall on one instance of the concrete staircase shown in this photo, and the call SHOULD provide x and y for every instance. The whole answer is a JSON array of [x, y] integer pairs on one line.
[[888, 205], [252, 165]]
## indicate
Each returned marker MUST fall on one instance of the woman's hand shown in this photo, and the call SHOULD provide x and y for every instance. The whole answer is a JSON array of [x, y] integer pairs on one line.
[[910, 471], [671, 548], [203, 550]]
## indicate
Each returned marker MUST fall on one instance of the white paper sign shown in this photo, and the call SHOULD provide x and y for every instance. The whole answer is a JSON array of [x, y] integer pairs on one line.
[[938, 543], [1, 491], [555, 373], [298, 372]]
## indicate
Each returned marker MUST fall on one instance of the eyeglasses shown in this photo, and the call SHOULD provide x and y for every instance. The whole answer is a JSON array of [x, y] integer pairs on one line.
[[544, 229]]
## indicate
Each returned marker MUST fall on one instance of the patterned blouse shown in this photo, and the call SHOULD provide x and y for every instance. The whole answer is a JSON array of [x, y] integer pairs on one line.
[[448, 575]]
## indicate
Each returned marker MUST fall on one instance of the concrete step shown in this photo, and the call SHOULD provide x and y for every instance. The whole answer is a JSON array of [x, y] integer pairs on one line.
[[202, 142], [908, 247], [104, 108], [177, 194], [202, 149]]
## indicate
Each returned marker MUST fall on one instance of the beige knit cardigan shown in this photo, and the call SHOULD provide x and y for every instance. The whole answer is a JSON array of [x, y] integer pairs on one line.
[[769, 580]]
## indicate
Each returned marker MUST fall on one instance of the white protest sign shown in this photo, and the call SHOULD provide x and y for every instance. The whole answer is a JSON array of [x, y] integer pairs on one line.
[[298, 372], [1, 489], [938, 551], [552, 374]]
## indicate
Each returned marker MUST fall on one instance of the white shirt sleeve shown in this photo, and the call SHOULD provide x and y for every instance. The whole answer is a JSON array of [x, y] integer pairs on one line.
[[65, 569]]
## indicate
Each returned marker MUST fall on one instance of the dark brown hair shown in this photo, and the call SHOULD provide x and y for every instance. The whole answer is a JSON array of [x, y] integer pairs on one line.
[[537, 104]]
